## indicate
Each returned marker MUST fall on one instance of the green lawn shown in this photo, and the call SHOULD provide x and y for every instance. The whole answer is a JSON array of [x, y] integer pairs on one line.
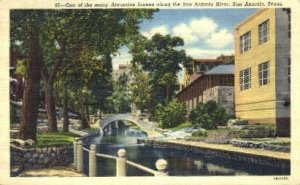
[[54, 139], [134, 126], [182, 125]]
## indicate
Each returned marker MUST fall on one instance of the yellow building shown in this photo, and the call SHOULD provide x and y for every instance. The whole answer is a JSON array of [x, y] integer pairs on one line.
[[262, 69]]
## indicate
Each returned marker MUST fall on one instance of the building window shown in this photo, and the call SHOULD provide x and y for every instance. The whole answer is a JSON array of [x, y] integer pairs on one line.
[[263, 30], [245, 79], [264, 73], [245, 42]]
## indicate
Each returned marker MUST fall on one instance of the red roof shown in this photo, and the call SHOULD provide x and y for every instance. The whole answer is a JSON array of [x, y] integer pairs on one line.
[[194, 76]]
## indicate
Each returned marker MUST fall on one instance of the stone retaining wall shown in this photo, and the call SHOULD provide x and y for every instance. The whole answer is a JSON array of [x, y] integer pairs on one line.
[[216, 137], [265, 146], [223, 95], [261, 160], [41, 157]]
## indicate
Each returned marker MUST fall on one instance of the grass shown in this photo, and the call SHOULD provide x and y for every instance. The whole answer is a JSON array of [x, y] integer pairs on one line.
[[134, 126], [54, 139], [181, 126]]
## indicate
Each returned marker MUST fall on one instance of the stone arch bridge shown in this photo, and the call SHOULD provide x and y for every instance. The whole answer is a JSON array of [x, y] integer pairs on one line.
[[145, 125]]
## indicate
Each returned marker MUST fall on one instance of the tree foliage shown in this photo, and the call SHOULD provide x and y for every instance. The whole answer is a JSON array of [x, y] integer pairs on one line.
[[119, 101], [208, 115], [68, 36], [228, 59], [162, 58], [172, 114], [139, 88]]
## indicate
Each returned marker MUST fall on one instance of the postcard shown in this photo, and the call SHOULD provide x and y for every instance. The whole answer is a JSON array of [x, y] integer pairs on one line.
[[149, 92]]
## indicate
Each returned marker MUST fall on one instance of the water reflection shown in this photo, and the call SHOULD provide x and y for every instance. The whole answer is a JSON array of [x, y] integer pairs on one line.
[[180, 163]]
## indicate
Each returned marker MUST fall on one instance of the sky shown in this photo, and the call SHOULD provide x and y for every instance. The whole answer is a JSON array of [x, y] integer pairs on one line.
[[207, 33]]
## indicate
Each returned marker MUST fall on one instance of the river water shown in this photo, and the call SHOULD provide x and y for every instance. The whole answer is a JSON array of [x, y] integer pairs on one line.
[[180, 163]]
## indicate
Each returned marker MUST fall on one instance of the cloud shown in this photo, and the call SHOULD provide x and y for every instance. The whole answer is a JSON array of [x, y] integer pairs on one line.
[[220, 39], [195, 30], [203, 37], [162, 29], [184, 31], [204, 30], [207, 53], [203, 27]]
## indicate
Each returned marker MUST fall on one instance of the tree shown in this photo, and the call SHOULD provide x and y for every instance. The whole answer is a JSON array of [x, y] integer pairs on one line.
[[88, 79], [119, 100], [172, 114], [161, 57], [25, 32], [228, 59], [208, 115], [139, 88], [107, 31], [54, 35]]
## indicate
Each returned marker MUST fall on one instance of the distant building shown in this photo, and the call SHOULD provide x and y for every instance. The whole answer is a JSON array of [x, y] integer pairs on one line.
[[262, 69], [215, 84], [122, 69], [199, 66]]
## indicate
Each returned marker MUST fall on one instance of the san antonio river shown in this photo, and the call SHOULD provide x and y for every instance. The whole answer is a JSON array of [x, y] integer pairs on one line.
[[180, 163]]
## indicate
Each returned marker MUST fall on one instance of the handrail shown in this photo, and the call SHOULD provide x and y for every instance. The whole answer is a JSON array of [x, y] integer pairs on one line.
[[106, 156], [146, 169], [85, 149], [143, 168], [121, 161], [100, 155]]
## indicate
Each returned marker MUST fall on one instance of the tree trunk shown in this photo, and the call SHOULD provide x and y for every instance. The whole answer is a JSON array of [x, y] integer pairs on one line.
[[65, 110], [50, 106], [29, 113], [84, 122], [87, 111]]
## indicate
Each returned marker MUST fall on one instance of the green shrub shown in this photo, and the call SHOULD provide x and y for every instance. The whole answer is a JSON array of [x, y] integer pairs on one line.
[[171, 115], [208, 115]]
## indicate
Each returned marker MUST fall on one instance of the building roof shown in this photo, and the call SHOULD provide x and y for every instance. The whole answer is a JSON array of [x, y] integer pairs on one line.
[[208, 60], [221, 69], [194, 76]]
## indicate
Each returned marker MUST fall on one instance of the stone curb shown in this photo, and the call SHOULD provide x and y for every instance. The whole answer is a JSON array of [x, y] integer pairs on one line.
[[231, 155], [262, 145]]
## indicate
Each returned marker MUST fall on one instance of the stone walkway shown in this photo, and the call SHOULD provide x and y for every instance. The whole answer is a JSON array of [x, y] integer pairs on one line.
[[228, 147], [52, 172]]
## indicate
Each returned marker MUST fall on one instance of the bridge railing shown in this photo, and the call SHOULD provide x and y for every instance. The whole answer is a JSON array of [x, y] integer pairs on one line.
[[121, 161]]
